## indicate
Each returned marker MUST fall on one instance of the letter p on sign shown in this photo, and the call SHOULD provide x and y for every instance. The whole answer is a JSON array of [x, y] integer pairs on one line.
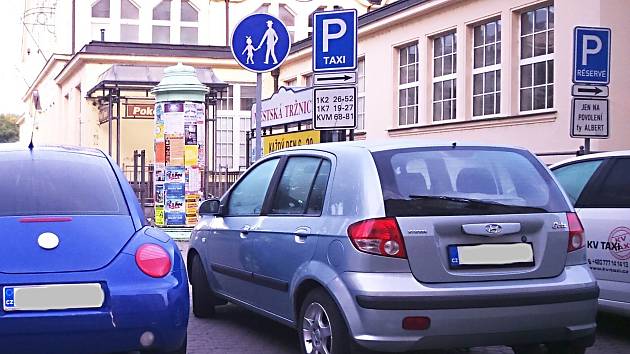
[[587, 49], [328, 35]]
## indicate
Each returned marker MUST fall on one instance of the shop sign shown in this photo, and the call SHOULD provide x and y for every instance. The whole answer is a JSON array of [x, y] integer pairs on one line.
[[140, 111], [273, 143], [286, 106]]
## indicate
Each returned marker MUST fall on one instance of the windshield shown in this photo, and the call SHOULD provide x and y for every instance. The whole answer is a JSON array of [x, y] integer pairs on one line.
[[465, 181], [58, 184]]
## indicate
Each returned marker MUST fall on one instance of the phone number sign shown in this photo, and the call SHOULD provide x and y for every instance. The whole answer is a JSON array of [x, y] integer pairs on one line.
[[335, 108]]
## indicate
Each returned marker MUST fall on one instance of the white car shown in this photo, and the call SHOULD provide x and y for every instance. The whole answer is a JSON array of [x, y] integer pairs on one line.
[[598, 185]]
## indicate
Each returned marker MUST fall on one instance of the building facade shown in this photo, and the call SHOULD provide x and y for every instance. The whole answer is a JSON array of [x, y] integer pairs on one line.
[[70, 47], [492, 71]]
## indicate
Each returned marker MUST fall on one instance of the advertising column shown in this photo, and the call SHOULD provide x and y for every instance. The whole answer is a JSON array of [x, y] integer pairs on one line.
[[179, 146]]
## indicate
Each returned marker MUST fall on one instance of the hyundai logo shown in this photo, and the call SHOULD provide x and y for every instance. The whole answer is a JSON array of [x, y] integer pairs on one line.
[[493, 228]]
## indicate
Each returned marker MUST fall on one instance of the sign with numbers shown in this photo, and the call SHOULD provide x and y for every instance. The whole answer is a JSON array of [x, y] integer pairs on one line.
[[335, 108]]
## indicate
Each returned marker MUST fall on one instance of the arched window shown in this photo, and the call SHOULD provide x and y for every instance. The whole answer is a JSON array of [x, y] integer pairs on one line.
[[129, 21], [162, 12], [287, 16], [161, 22], [101, 9], [189, 31], [263, 9], [310, 17]]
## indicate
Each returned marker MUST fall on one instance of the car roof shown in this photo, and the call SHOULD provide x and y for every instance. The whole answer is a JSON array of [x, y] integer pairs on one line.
[[599, 155], [383, 145], [17, 147]]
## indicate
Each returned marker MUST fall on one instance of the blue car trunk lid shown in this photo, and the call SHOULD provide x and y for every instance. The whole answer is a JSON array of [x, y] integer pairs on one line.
[[85, 242]]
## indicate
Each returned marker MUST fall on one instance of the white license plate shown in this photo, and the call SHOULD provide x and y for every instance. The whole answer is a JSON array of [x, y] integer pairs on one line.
[[52, 297], [511, 254]]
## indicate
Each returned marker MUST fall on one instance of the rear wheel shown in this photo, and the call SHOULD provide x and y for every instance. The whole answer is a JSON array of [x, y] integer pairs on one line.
[[527, 349], [203, 300], [322, 329]]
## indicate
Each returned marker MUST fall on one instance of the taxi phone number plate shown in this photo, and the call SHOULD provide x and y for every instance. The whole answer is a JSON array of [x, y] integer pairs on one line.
[[52, 297]]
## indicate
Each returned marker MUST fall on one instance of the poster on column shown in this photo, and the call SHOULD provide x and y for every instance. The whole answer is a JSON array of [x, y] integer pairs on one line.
[[175, 150], [191, 156], [159, 194], [190, 134], [193, 180], [175, 218], [175, 174], [174, 119], [159, 215], [190, 112]]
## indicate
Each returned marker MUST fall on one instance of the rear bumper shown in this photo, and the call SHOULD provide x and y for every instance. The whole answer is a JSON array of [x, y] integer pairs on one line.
[[133, 305], [468, 314]]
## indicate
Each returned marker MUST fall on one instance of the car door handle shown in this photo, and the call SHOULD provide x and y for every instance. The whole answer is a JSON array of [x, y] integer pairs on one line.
[[301, 233], [245, 230]]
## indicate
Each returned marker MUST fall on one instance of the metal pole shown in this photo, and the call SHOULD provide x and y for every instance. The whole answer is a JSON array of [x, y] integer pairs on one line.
[[135, 169], [118, 128], [248, 148], [142, 180], [587, 146], [207, 150], [109, 122], [258, 116]]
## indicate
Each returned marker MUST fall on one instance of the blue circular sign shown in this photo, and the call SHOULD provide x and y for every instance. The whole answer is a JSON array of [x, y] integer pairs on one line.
[[260, 43]]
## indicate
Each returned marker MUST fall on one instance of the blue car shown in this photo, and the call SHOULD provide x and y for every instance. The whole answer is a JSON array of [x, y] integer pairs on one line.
[[80, 269]]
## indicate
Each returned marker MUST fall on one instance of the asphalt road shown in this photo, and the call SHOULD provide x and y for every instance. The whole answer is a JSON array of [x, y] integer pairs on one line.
[[238, 331]]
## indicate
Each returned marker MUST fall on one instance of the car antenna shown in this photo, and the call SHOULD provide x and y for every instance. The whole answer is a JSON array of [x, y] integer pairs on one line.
[[454, 145], [30, 144]]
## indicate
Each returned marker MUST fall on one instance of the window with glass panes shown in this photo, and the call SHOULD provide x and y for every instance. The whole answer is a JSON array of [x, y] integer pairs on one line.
[[487, 69], [224, 142], [189, 32], [100, 19], [129, 21], [408, 85], [161, 31], [290, 82], [248, 97], [444, 72], [245, 126], [536, 59], [308, 80], [287, 16], [226, 100], [361, 94]]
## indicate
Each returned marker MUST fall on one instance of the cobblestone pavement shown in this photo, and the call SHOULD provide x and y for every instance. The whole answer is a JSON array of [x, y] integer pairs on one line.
[[238, 331]]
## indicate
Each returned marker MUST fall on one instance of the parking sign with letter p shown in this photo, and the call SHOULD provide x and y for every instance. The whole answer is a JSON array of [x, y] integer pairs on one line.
[[335, 40], [591, 60]]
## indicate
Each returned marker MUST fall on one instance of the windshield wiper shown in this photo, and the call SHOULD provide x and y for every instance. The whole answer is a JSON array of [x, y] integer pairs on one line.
[[476, 202]]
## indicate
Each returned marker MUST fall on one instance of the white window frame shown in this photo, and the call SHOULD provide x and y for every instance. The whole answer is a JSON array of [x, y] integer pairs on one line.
[[443, 78], [408, 85], [188, 24], [361, 94], [306, 77], [536, 59], [105, 23], [486, 69], [290, 29], [132, 22]]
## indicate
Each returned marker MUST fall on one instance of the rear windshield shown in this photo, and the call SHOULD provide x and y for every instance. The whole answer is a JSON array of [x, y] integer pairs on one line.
[[465, 181], [58, 184]]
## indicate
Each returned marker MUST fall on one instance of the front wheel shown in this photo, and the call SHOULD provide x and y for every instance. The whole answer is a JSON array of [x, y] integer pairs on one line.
[[322, 329], [203, 300]]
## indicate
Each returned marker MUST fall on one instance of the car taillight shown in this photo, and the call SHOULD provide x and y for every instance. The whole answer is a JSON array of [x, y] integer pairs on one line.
[[378, 236], [153, 260], [576, 232]]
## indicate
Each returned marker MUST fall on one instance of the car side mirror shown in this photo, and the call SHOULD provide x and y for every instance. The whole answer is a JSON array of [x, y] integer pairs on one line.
[[210, 207]]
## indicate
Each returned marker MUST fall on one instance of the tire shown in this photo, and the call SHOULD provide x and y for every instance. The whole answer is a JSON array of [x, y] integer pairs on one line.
[[203, 300], [527, 349], [565, 348], [325, 326]]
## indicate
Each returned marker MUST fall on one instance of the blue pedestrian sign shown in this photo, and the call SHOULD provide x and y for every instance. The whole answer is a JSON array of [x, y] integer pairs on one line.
[[260, 43], [335, 40], [591, 59]]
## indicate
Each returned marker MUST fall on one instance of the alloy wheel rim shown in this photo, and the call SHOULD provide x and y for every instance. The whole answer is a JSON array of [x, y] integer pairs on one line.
[[316, 329]]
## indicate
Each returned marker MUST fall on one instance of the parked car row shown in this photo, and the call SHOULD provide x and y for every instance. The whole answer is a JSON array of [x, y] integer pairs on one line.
[[386, 246]]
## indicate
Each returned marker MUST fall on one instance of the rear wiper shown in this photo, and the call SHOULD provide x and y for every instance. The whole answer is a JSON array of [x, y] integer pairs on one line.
[[475, 202]]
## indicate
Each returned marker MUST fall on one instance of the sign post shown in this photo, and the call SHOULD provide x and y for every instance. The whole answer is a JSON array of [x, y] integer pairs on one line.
[[260, 43], [334, 67], [591, 76]]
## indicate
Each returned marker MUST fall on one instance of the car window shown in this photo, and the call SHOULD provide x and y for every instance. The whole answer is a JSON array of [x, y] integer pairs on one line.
[[574, 177], [613, 191], [59, 184], [249, 194], [318, 192], [295, 185], [465, 181]]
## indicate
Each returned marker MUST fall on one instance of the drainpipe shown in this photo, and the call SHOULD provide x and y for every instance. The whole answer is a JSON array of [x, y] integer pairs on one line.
[[227, 22]]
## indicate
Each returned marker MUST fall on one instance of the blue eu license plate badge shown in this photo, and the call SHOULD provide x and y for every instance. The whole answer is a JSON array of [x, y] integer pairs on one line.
[[453, 256], [9, 301]]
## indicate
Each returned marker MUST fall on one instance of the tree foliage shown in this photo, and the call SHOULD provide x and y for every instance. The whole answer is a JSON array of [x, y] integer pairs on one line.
[[9, 131]]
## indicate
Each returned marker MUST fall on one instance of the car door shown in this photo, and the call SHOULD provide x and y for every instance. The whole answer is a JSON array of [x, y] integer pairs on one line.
[[604, 208], [287, 235], [240, 214]]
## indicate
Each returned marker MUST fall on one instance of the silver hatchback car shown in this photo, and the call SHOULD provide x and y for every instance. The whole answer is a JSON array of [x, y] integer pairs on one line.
[[400, 246]]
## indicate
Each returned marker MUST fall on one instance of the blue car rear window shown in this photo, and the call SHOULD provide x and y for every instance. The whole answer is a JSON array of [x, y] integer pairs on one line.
[[59, 184]]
